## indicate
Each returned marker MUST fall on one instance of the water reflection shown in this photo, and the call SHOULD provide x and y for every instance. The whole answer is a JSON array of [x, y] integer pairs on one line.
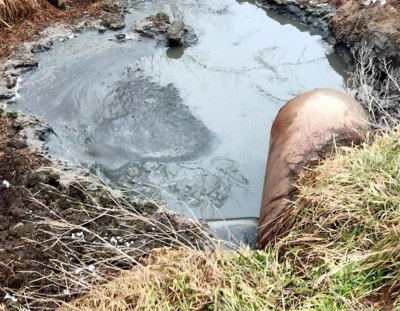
[[189, 126], [186, 187]]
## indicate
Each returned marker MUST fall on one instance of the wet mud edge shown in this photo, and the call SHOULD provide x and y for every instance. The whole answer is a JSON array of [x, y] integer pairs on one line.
[[22, 58]]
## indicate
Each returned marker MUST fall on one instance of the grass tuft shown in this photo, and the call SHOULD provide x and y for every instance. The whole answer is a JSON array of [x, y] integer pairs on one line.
[[11, 10], [186, 279]]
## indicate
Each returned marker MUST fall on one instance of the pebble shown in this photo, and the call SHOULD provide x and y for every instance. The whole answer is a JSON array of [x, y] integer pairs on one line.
[[77, 271], [6, 184], [10, 297], [78, 235], [101, 29], [120, 36]]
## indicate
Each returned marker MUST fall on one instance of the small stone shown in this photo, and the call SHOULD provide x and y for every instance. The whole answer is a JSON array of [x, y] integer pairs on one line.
[[6, 93], [120, 36], [17, 143], [78, 271], [10, 297], [286, 292], [6, 184], [65, 292], [101, 29], [117, 25]]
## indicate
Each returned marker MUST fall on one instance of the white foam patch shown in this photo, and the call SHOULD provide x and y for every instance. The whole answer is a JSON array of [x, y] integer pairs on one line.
[[17, 87]]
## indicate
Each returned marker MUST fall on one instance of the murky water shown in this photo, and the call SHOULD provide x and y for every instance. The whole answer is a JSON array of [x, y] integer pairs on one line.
[[189, 126]]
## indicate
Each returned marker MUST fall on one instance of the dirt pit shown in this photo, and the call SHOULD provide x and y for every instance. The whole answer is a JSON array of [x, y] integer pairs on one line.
[[60, 231]]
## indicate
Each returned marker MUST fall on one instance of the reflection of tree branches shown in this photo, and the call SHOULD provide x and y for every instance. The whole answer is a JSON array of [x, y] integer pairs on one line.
[[259, 58], [305, 62], [241, 71], [231, 177], [269, 95], [232, 168], [302, 54], [217, 192], [212, 186]]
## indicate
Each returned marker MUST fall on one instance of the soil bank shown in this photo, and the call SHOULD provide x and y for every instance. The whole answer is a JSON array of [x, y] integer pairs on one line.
[[353, 24]]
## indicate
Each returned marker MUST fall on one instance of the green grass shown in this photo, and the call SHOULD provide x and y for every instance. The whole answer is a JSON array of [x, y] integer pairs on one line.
[[342, 253]]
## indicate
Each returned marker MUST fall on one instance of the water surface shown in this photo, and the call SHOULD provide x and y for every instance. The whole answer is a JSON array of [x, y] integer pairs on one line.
[[188, 126]]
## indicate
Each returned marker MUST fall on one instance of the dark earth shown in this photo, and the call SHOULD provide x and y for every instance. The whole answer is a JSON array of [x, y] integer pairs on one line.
[[40, 214]]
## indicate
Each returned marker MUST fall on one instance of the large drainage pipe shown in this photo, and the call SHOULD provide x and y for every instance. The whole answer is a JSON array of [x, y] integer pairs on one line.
[[301, 131]]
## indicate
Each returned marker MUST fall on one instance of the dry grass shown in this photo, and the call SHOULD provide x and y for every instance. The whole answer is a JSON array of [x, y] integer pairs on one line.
[[186, 279], [91, 234], [145, 224], [348, 222], [380, 98], [22, 20], [11, 10], [342, 252]]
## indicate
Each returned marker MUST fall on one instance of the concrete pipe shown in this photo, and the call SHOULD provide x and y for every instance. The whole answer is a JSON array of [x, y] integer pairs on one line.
[[303, 128]]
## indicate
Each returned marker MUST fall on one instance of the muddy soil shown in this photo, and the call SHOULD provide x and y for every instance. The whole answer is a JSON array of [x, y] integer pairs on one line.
[[159, 26], [99, 14], [49, 220], [353, 23], [17, 55]]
